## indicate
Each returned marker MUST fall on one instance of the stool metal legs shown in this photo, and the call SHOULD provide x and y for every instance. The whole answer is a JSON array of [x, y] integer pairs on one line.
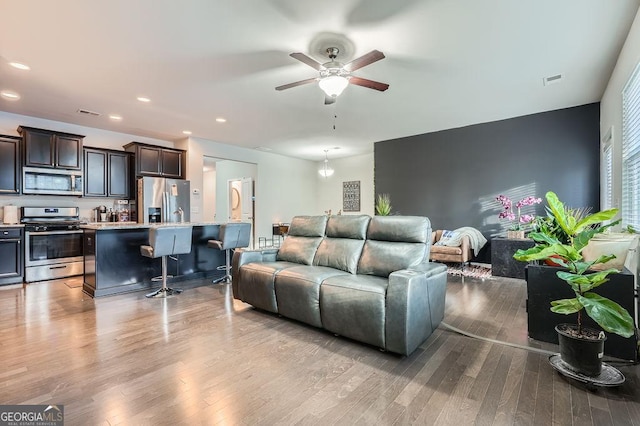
[[164, 291], [227, 269]]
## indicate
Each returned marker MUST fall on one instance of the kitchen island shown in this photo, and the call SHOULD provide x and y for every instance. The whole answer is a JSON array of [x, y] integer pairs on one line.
[[113, 263]]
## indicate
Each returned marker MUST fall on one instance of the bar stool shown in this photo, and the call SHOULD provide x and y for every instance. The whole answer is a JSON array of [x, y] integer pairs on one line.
[[232, 235], [167, 241]]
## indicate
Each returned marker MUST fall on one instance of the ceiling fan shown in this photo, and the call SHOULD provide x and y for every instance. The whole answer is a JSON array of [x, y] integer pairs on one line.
[[334, 76]]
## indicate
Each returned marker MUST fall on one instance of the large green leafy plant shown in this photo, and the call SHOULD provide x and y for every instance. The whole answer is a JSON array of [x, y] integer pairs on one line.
[[578, 229]]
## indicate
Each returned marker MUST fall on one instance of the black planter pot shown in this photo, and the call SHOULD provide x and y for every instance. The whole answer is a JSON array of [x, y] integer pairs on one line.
[[582, 354]]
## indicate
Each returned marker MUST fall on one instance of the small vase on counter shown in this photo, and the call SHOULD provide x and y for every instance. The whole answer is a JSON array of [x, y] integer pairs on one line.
[[516, 235]]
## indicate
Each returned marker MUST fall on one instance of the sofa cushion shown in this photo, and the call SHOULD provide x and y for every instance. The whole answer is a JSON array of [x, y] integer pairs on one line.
[[383, 257], [412, 229], [305, 234], [394, 243], [339, 253], [447, 238], [258, 283], [299, 249], [308, 226], [348, 226], [354, 306], [298, 292], [446, 249]]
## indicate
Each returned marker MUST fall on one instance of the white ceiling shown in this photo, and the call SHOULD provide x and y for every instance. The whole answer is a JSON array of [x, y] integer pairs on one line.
[[448, 63]]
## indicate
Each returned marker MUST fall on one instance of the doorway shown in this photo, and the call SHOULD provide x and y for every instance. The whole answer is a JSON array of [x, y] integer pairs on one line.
[[228, 191]]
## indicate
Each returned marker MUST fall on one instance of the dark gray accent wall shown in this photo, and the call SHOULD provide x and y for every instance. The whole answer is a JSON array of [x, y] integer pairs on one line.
[[453, 176]]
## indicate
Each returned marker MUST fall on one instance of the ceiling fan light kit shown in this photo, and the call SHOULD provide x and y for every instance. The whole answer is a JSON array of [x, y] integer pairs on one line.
[[333, 85], [334, 76]]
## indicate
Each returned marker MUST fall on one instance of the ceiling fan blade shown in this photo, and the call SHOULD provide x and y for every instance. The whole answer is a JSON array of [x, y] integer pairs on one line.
[[364, 60], [297, 83], [307, 60], [370, 84], [328, 100]]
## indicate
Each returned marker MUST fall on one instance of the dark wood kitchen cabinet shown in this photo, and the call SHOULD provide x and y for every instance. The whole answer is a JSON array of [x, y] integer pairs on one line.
[[11, 255], [151, 160], [106, 173], [46, 148], [9, 164]]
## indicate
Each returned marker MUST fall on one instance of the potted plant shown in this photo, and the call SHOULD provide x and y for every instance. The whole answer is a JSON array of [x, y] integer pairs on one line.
[[383, 205], [520, 221], [580, 347]]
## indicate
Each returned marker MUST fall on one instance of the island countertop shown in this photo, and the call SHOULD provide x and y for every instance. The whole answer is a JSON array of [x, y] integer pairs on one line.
[[97, 226]]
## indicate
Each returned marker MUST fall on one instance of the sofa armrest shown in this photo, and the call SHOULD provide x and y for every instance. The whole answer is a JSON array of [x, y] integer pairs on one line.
[[414, 306], [466, 249], [243, 256]]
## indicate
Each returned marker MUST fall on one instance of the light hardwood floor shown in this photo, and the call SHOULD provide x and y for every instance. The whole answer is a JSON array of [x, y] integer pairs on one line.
[[203, 358]]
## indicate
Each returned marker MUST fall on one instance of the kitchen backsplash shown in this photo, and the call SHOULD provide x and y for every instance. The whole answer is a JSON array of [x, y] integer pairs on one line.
[[86, 205]]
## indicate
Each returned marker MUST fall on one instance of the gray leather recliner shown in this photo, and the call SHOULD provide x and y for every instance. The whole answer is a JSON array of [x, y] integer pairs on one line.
[[365, 278]]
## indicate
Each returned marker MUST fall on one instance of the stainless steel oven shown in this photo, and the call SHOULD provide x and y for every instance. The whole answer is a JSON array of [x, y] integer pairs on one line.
[[53, 243]]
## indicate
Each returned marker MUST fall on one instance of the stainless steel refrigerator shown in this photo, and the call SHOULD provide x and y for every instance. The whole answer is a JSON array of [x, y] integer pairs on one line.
[[163, 200]]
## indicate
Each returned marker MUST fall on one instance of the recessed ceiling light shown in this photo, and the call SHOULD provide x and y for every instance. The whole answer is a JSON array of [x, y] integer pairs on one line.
[[115, 117], [186, 132], [221, 120], [143, 99], [20, 66], [9, 95]]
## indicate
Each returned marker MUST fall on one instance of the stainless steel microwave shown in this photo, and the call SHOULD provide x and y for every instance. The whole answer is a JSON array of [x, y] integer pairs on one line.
[[51, 181]]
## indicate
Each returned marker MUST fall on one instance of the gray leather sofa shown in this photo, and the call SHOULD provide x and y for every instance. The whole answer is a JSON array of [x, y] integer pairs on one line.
[[365, 278]]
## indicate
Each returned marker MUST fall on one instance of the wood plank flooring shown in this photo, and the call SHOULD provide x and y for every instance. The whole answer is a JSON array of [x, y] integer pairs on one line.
[[204, 358]]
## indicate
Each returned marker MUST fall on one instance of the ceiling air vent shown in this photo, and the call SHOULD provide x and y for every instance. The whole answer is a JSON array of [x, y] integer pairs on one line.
[[552, 79], [88, 112]]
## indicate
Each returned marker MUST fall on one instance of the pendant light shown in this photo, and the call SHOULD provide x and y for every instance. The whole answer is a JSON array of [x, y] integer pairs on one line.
[[326, 170]]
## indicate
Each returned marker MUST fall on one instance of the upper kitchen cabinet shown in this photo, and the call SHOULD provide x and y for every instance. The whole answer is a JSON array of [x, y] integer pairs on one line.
[[46, 148], [151, 160], [107, 173], [9, 164]]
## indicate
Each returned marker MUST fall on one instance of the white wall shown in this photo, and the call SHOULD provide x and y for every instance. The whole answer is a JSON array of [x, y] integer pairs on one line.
[[346, 169], [285, 186], [611, 103], [209, 194]]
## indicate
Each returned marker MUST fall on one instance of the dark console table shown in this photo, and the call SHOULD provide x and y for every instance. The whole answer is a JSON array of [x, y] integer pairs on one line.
[[543, 286], [502, 262]]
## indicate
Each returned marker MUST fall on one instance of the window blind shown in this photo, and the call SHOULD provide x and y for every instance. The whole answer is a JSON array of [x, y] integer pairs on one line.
[[607, 176], [631, 151]]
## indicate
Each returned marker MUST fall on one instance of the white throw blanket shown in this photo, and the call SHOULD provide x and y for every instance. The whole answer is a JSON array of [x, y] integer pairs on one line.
[[476, 239]]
